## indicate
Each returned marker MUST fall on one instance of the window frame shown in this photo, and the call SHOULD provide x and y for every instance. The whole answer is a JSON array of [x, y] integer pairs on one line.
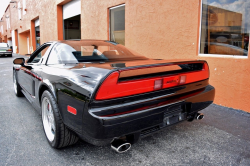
[[109, 24], [216, 55], [36, 52]]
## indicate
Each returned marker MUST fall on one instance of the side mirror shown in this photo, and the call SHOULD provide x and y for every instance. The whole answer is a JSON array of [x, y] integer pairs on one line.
[[19, 61]]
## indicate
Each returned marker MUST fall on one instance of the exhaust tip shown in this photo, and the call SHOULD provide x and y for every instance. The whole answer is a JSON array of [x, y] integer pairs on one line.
[[120, 146], [199, 116]]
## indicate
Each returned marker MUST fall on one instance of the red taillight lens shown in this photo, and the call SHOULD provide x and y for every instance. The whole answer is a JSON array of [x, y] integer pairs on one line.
[[9, 50], [107, 86]]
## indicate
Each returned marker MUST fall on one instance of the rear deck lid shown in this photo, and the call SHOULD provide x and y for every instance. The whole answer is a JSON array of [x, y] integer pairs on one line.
[[132, 80]]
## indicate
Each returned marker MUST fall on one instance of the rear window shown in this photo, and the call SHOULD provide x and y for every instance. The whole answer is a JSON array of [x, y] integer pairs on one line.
[[3, 45], [88, 51]]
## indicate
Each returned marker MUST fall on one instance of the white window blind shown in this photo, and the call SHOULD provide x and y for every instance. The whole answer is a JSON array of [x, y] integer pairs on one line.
[[19, 11], [24, 7], [72, 9]]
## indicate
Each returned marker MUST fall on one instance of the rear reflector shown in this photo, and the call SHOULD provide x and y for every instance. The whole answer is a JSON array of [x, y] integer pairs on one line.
[[71, 110], [182, 79], [112, 88], [158, 84]]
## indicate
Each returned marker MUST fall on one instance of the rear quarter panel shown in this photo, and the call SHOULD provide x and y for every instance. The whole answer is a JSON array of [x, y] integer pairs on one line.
[[72, 87]]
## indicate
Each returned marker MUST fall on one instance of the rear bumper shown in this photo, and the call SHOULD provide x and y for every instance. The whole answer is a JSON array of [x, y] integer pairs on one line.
[[5, 53], [103, 129]]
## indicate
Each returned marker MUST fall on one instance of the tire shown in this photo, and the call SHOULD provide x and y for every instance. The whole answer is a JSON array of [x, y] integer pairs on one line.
[[17, 87], [57, 134]]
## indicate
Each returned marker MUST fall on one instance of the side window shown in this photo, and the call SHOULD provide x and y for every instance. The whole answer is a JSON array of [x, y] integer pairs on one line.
[[53, 57], [39, 54], [62, 53]]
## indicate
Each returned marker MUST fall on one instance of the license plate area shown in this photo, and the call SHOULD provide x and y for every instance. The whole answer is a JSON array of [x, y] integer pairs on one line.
[[174, 114]]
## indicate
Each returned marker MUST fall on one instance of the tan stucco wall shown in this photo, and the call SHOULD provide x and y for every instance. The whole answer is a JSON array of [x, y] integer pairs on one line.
[[94, 18], [164, 29]]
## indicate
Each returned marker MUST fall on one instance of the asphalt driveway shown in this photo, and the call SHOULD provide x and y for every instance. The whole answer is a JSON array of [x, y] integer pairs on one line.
[[222, 138]]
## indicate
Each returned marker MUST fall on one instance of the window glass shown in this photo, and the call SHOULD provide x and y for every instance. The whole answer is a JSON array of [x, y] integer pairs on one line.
[[2, 29], [117, 24], [19, 11], [24, 7], [90, 51], [225, 27], [38, 55], [62, 53]]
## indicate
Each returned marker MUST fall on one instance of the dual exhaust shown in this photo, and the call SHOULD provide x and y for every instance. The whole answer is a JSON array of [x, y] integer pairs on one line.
[[197, 116], [121, 145]]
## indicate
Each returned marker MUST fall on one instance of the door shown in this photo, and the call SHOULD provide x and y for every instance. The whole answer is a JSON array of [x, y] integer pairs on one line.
[[29, 74]]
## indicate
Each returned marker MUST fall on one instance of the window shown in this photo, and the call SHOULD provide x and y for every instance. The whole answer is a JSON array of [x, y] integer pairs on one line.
[[38, 54], [225, 26], [117, 24], [24, 7], [90, 51], [19, 11], [72, 20], [37, 29], [8, 22]]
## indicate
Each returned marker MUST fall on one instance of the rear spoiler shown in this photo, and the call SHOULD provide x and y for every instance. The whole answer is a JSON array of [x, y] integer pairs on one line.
[[142, 79]]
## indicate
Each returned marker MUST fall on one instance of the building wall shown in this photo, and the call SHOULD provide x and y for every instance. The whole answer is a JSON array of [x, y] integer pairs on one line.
[[6, 32], [94, 18], [164, 29]]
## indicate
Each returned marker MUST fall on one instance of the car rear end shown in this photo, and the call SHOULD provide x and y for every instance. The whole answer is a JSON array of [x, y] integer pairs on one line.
[[5, 50], [136, 101]]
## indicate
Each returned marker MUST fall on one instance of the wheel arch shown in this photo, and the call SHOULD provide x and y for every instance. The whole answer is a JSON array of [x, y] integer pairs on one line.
[[44, 87]]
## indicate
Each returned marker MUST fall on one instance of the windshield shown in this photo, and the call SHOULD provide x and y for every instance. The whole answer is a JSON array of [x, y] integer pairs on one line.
[[88, 51], [3, 45]]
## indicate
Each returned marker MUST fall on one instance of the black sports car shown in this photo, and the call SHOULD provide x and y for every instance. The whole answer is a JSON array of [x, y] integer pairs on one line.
[[105, 93]]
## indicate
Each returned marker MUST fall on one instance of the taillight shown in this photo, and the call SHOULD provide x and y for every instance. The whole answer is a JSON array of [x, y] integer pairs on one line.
[[112, 88], [9, 50], [105, 89]]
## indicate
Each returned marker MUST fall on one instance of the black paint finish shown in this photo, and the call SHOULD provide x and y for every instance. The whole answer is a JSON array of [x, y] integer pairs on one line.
[[99, 122]]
